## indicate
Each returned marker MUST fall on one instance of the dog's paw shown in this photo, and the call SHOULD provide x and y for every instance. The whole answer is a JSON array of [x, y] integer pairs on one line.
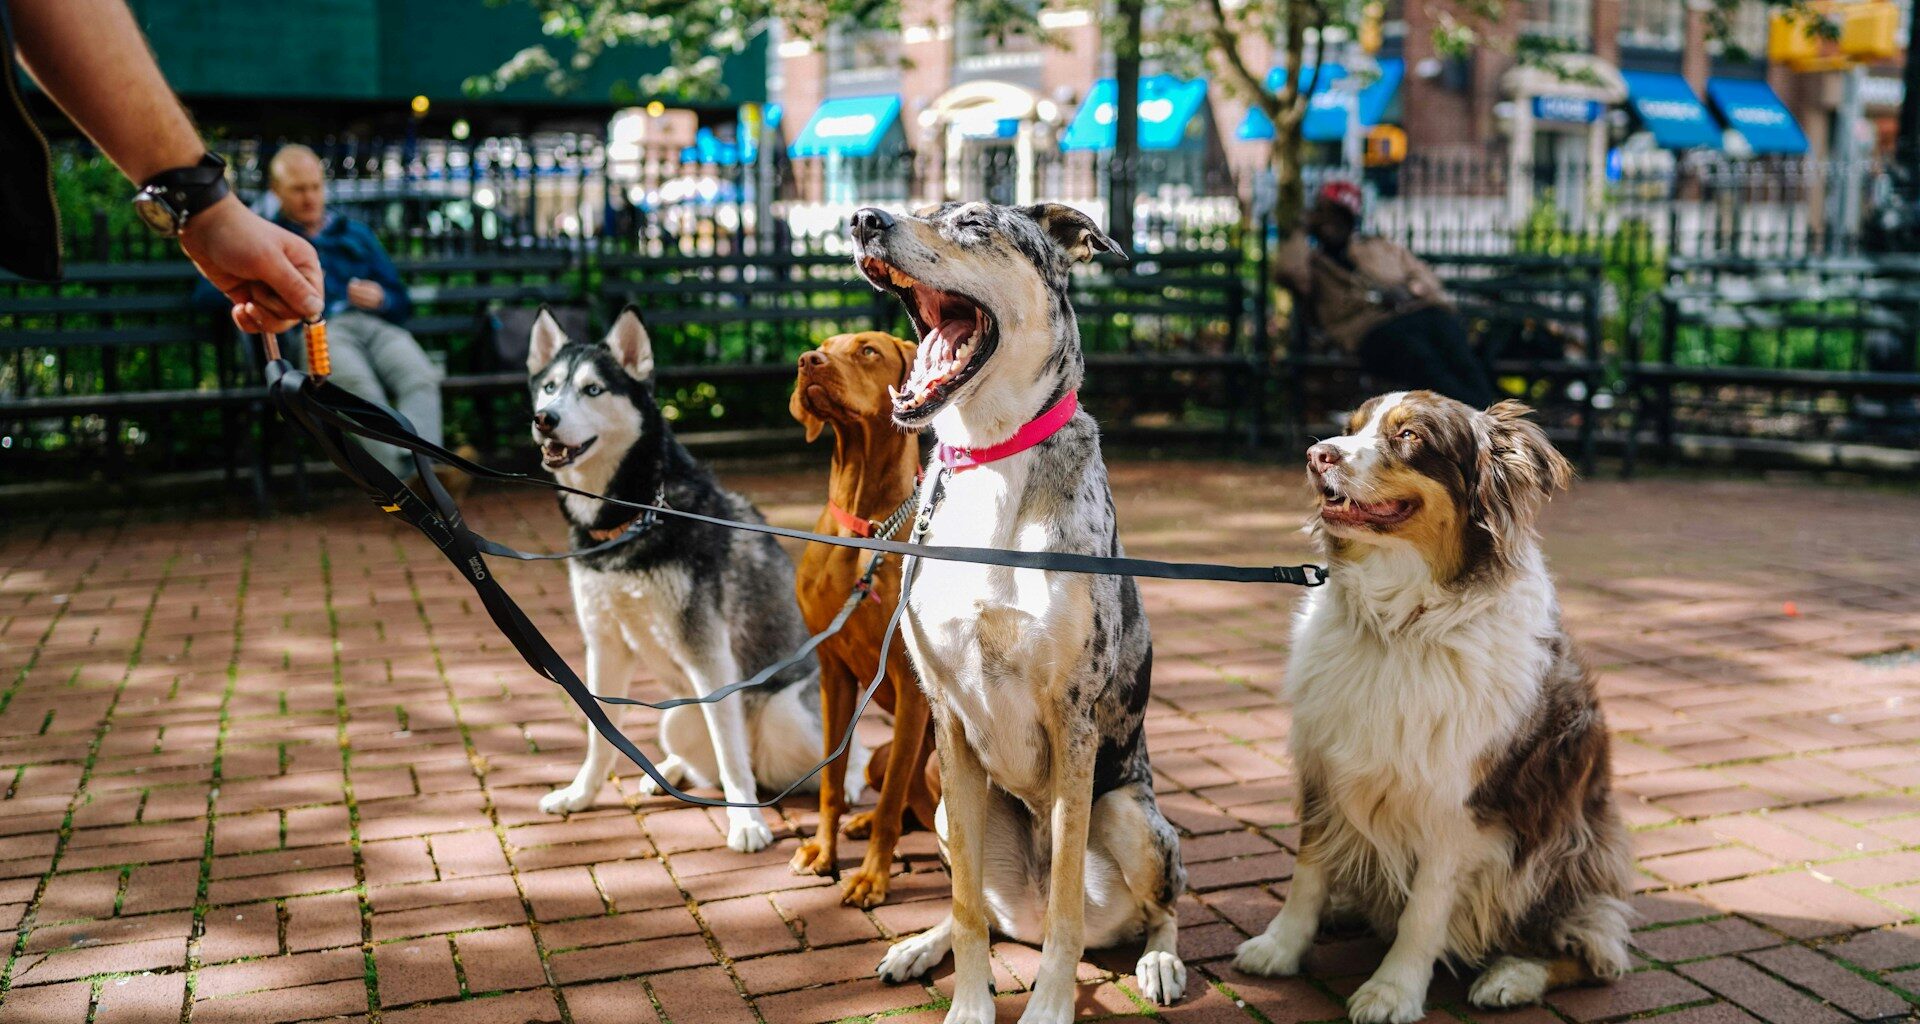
[[913, 957], [1385, 1001], [1269, 956], [748, 834], [1162, 977], [1510, 981], [864, 889], [975, 1010], [672, 769], [813, 858], [857, 826], [568, 799], [1049, 1004]]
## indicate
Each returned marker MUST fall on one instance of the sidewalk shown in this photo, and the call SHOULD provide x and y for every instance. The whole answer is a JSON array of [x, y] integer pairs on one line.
[[285, 770]]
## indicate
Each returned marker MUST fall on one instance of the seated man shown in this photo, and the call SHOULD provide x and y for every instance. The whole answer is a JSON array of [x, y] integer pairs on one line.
[[373, 355], [1378, 301]]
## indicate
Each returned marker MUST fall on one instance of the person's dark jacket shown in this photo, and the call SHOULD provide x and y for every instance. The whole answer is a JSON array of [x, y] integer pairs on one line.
[[31, 246], [349, 249]]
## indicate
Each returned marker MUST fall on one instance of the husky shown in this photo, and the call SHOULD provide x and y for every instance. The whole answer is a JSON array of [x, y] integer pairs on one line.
[[1038, 680], [704, 605]]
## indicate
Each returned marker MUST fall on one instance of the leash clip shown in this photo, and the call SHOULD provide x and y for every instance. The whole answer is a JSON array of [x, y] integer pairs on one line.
[[1316, 575]]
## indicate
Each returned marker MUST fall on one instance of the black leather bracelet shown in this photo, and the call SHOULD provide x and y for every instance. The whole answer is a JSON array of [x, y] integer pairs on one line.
[[168, 200]]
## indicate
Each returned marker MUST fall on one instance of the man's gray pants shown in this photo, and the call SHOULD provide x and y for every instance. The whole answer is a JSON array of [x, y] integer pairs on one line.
[[382, 363]]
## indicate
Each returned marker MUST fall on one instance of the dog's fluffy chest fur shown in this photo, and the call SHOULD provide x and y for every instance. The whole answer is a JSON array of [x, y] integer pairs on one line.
[[993, 629], [649, 608], [1403, 690]]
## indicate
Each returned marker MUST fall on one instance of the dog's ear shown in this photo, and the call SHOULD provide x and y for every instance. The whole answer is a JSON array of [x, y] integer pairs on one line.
[[545, 341], [1073, 231], [631, 344], [908, 350], [1518, 470], [798, 409]]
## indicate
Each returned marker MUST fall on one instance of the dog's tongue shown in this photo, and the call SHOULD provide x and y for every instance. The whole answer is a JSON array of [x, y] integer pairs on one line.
[[949, 334]]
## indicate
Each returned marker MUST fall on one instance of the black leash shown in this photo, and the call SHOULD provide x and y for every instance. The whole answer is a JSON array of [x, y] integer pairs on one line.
[[329, 413], [295, 392], [356, 415]]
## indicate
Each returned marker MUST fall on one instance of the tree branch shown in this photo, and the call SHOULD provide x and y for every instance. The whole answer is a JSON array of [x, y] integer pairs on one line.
[[1226, 46]]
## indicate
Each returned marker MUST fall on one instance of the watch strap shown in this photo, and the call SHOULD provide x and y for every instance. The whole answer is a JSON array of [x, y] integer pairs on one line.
[[188, 190]]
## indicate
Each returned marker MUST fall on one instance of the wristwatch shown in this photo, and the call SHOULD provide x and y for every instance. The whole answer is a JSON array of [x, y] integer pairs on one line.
[[170, 199]]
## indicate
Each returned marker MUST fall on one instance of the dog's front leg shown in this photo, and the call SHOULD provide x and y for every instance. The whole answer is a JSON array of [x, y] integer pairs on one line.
[[610, 665], [817, 855], [963, 786], [1276, 952], [747, 830], [1065, 939], [1397, 992], [906, 763]]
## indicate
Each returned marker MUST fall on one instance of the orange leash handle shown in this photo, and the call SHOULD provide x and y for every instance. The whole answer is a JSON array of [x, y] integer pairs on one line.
[[319, 364]]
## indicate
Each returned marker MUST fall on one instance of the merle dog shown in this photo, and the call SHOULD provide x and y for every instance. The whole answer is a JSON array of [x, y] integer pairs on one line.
[[1038, 680], [704, 605]]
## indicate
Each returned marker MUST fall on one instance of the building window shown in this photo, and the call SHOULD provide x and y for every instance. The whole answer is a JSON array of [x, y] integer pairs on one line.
[[851, 48], [1747, 29], [1565, 20], [1393, 19], [1653, 24], [974, 38]]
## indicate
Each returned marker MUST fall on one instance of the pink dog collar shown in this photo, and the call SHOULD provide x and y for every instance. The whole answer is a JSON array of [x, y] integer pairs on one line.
[[1037, 430]]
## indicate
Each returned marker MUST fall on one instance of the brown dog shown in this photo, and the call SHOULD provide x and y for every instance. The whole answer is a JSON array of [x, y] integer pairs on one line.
[[844, 382]]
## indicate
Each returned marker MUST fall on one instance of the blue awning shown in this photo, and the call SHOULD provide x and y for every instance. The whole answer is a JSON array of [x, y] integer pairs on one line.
[[1167, 106], [709, 148], [1751, 108], [1669, 109], [1326, 109], [850, 125]]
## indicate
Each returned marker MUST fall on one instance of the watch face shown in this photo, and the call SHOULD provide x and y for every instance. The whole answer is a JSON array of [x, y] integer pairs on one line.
[[156, 213]]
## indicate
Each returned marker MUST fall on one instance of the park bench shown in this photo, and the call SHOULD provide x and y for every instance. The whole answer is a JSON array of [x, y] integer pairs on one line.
[[1779, 355], [1546, 308], [1156, 328], [118, 351]]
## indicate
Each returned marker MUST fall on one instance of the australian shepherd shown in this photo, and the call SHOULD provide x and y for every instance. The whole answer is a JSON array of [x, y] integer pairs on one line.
[[1448, 741]]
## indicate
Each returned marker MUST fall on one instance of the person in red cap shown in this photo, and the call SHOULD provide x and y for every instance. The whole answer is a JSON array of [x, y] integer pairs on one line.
[[1378, 301]]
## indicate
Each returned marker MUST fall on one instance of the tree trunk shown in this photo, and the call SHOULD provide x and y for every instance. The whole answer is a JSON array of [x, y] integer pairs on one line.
[[1285, 153], [1906, 147], [1125, 159]]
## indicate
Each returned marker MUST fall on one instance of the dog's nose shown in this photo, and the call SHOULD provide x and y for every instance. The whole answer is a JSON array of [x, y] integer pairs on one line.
[[1323, 456], [869, 222], [814, 358], [545, 422]]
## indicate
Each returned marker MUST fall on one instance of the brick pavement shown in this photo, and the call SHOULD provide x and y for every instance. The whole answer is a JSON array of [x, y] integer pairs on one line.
[[285, 770]]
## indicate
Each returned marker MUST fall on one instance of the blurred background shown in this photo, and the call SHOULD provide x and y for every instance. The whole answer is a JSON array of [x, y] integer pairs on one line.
[[1618, 190]]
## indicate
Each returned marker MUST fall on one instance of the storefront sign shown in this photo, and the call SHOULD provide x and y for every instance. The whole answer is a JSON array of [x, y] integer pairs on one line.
[[1567, 109]]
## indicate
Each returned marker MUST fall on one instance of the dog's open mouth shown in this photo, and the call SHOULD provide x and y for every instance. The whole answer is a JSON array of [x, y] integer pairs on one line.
[[957, 337], [1339, 508], [555, 455]]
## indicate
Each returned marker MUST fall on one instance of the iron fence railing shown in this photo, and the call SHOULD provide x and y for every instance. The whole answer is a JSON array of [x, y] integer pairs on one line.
[[746, 265]]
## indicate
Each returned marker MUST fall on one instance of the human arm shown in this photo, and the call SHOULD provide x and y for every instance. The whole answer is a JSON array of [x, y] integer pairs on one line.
[[1422, 282], [394, 304], [89, 56], [1292, 264]]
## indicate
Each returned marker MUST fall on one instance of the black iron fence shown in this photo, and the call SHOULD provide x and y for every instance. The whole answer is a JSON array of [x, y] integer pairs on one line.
[[742, 266]]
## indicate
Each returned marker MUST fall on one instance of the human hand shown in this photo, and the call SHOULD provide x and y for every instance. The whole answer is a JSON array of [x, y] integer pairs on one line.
[[271, 274], [366, 294]]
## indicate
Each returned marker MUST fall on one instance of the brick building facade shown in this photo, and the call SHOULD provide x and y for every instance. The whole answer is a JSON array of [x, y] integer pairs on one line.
[[940, 69]]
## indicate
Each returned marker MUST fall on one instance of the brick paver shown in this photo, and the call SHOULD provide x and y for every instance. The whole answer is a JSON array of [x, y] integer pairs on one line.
[[286, 770]]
